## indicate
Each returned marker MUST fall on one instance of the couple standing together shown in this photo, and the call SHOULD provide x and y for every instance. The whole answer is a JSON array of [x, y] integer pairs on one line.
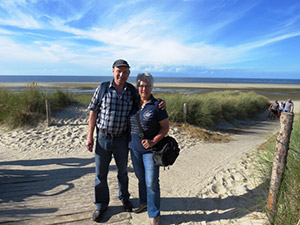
[[113, 112]]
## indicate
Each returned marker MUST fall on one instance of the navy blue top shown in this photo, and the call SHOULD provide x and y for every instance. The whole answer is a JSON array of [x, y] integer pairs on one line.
[[150, 116]]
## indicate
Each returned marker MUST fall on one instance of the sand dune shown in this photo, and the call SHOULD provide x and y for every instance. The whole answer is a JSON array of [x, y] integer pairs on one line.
[[210, 183]]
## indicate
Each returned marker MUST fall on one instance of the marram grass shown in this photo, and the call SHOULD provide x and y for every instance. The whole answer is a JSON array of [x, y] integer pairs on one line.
[[207, 110], [26, 108], [288, 206], [204, 110]]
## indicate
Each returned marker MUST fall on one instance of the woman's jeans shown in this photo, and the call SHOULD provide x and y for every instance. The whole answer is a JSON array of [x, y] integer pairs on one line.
[[105, 148], [148, 175]]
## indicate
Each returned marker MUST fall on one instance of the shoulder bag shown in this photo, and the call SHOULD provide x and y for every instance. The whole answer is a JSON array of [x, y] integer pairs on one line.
[[166, 151]]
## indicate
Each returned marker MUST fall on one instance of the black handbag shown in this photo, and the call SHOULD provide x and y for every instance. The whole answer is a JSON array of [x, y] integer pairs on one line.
[[165, 152]]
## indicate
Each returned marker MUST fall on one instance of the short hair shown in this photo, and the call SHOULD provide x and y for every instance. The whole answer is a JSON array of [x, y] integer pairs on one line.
[[146, 77]]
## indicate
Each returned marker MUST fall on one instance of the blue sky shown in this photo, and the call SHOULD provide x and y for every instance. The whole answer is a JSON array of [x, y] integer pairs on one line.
[[203, 38]]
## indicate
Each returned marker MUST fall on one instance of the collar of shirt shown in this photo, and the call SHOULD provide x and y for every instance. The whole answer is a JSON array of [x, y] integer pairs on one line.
[[112, 85], [151, 101]]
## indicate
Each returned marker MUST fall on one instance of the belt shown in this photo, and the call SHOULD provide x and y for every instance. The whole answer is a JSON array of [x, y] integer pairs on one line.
[[105, 134]]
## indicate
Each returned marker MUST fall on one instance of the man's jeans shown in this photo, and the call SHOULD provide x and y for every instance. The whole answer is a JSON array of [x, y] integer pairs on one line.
[[148, 175], [105, 148]]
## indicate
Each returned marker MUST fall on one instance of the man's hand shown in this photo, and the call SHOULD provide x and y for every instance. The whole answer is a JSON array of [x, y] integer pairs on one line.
[[162, 105], [89, 144], [92, 123]]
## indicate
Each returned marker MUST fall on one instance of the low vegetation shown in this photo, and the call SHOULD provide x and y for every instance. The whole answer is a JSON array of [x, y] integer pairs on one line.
[[207, 110], [26, 108], [288, 206], [204, 110]]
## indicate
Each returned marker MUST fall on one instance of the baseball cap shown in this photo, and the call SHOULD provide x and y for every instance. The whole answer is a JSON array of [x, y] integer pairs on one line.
[[120, 62]]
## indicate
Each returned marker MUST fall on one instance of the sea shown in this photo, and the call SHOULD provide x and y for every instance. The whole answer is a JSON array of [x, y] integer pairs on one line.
[[158, 79]]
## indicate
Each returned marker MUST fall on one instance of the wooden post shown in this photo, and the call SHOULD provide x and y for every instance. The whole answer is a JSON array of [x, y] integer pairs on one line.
[[48, 112], [184, 111], [280, 160]]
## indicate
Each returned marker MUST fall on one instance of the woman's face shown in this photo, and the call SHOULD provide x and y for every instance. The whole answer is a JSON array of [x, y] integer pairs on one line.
[[145, 89]]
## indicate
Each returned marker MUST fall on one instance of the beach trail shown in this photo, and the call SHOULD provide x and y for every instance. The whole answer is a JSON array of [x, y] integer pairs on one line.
[[47, 177]]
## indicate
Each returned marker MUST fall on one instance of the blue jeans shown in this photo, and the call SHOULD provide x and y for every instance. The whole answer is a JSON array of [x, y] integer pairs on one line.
[[105, 148], [148, 175]]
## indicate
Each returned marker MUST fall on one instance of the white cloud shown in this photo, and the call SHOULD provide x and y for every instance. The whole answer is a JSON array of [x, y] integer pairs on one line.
[[15, 15], [265, 42]]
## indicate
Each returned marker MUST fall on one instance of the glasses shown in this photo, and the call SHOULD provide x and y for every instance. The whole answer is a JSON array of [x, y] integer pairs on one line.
[[144, 86]]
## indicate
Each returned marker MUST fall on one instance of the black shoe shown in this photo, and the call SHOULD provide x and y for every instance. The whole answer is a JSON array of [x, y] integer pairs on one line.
[[140, 209], [98, 214], [127, 206]]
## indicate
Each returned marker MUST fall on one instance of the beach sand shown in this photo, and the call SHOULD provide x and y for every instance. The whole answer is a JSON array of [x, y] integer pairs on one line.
[[47, 177]]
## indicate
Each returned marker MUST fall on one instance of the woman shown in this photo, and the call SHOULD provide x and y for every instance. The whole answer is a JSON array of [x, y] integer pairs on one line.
[[155, 126]]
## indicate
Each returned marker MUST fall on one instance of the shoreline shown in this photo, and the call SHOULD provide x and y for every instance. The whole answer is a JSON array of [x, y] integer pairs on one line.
[[270, 91], [159, 85]]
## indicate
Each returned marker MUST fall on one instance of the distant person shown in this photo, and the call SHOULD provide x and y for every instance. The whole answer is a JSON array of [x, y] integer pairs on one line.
[[289, 106], [110, 108], [273, 109], [155, 126], [281, 106]]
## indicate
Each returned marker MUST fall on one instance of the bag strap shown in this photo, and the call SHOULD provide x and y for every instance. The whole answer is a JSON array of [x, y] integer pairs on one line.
[[141, 133], [104, 86]]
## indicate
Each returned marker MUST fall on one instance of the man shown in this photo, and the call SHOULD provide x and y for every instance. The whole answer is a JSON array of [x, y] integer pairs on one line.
[[110, 114], [289, 106], [109, 111]]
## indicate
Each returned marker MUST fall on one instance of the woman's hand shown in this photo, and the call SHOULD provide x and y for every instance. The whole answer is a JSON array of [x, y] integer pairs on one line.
[[148, 143], [164, 128]]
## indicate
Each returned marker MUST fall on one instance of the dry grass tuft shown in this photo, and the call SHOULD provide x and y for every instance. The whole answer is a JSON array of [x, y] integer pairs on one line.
[[203, 134]]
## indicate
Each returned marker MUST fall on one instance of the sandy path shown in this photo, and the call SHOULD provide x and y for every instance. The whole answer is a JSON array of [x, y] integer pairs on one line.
[[47, 177]]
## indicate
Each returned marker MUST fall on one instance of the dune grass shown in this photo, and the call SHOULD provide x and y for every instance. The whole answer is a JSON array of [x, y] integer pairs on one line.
[[207, 110], [204, 110], [26, 108], [288, 207]]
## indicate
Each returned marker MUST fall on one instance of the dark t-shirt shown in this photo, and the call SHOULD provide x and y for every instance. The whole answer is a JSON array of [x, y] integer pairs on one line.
[[150, 115]]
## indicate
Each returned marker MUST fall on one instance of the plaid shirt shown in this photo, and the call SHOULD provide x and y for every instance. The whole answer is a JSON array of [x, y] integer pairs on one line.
[[114, 109]]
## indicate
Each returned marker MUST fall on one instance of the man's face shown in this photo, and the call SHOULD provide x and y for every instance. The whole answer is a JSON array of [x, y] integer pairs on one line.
[[121, 75]]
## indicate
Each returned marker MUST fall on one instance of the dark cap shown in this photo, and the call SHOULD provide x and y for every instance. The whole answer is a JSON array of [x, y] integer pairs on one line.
[[120, 62]]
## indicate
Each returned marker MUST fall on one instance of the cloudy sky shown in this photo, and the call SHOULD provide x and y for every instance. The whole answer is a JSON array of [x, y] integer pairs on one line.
[[203, 38]]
